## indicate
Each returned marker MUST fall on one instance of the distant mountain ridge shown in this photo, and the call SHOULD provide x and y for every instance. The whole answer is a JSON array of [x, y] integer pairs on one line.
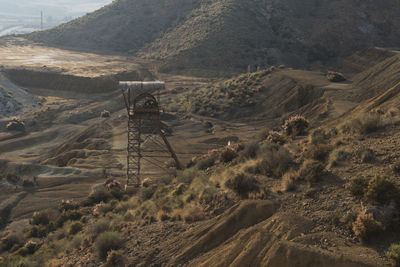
[[231, 34]]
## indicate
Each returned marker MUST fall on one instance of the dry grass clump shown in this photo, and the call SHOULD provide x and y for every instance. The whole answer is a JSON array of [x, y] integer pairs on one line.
[[363, 124], [275, 162], [227, 155], [242, 184], [394, 254], [99, 226], [357, 186], [107, 241], [163, 216], [337, 156], [258, 195], [193, 213], [250, 150], [366, 155], [296, 125], [289, 181], [396, 167], [318, 137], [75, 228], [318, 152], [312, 171], [276, 137], [115, 258], [366, 227], [381, 190]]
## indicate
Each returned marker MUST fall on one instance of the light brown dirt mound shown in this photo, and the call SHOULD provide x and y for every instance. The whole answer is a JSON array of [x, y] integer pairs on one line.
[[378, 78], [363, 60], [250, 234]]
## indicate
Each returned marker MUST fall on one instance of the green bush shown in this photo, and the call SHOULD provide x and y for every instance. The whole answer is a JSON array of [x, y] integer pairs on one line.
[[75, 228], [358, 186], [312, 171], [115, 258], [107, 241], [242, 184], [381, 190], [394, 254]]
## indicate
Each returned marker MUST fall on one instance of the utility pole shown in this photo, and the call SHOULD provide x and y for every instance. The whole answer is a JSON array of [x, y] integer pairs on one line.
[[41, 20]]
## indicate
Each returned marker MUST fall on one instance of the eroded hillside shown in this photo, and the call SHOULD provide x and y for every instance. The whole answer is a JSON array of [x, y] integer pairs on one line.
[[229, 35]]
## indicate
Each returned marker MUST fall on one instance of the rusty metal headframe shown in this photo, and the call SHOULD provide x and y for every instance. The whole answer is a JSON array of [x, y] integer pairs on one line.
[[142, 103]]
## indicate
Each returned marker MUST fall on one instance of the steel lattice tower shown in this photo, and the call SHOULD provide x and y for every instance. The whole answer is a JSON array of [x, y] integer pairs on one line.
[[144, 117]]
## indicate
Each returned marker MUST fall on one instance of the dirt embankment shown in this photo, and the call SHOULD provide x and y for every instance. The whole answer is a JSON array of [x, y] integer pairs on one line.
[[65, 82]]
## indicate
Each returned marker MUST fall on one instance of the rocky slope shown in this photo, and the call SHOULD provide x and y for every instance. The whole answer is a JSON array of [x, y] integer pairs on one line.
[[231, 34]]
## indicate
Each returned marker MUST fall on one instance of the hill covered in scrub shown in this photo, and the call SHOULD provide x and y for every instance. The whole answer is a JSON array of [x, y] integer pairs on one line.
[[321, 188], [231, 34]]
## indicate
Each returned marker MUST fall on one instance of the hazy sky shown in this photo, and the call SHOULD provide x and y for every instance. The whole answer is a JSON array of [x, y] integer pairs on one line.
[[55, 8]]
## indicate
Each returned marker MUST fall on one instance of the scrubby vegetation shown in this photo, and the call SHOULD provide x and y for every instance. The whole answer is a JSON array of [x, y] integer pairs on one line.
[[366, 227], [362, 124], [296, 125]]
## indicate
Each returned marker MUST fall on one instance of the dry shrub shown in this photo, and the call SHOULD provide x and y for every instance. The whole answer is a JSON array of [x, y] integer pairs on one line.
[[42, 217], [163, 216], [296, 125], [318, 152], [289, 181], [192, 214], [358, 186], [366, 155], [275, 162], [107, 241], [98, 227], [276, 137], [396, 167], [75, 228], [176, 215], [318, 137], [227, 155], [381, 190], [363, 124], [257, 195], [115, 258], [242, 184], [394, 254], [250, 150], [337, 156], [366, 227], [263, 134], [205, 163], [312, 171]]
